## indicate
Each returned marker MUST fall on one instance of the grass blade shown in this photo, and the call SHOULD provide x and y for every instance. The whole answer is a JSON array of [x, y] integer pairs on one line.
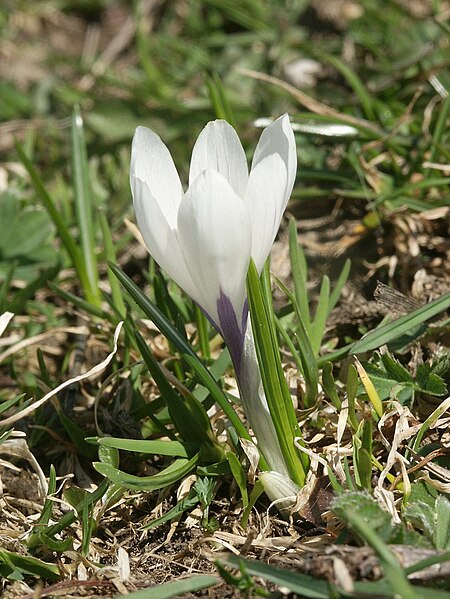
[[342, 279], [439, 130], [176, 587], [202, 332], [219, 100], [63, 231], [185, 416], [206, 379], [182, 346], [353, 80], [168, 448], [173, 473], [83, 206], [308, 359], [299, 271], [370, 389], [79, 302], [110, 255], [14, 566], [394, 573], [304, 585], [329, 385], [274, 382], [322, 310], [400, 326], [152, 312]]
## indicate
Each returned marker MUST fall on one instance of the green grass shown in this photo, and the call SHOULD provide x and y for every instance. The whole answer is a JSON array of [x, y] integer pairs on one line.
[[158, 437]]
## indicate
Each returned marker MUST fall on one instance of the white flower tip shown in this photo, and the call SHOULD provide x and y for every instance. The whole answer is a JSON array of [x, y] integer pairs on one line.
[[219, 123], [286, 124], [218, 128], [142, 136], [139, 146], [4, 321]]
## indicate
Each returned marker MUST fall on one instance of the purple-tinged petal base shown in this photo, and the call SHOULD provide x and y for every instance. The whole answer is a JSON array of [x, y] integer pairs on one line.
[[232, 333]]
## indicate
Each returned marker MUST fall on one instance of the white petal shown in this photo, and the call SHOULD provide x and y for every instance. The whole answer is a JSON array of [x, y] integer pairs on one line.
[[152, 163], [265, 201], [215, 238], [279, 138], [160, 239], [218, 148]]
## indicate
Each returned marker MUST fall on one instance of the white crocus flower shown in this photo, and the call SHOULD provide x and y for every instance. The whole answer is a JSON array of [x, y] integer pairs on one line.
[[204, 238]]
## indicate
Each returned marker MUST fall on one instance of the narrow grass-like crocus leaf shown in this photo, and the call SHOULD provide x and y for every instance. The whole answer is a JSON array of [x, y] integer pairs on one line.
[[409, 189], [109, 455], [342, 279], [17, 304], [110, 255], [290, 345], [352, 388], [439, 130], [306, 586], [441, 534], [9, 403], [153, 313], [180, 343], [83, 205], [35, 537], [190, 419], [318, 325], [48, 504], [87, 527], [202, 332], [239, 476], [266, 289], [169, 448], [334, 356], [400, 326], [176, 587], [185, 504], [299, 271], [256, 492], [274, 382], [363, 466], [219, 99], [71, 516], [392, 569], [165, 302], [432, 418], [353, 80], [309, 364], [63, 231], [168, 393], [5, 285], [329, 385], [81, 303], [174, 472], [14, 566], [370, 389], [206, 379]]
